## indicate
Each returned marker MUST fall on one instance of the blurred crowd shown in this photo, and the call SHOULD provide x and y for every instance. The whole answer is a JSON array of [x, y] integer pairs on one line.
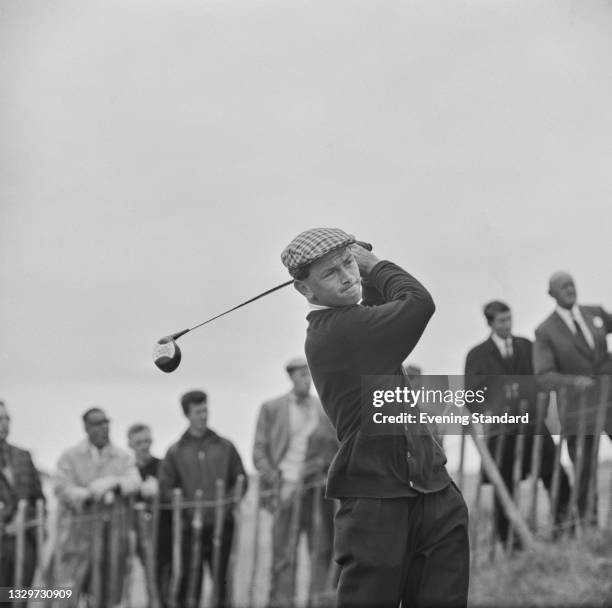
[[293, 446]]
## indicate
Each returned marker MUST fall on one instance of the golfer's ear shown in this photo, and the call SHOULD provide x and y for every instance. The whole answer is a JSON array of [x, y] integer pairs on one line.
[[303, 289]]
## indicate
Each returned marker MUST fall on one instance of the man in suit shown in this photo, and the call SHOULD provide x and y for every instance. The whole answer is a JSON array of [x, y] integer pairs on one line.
[[19, 480], [503, 364], [294, 444], [571, 351]]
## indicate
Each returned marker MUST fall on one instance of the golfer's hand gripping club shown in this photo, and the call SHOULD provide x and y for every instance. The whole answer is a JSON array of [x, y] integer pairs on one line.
[[366, 260]]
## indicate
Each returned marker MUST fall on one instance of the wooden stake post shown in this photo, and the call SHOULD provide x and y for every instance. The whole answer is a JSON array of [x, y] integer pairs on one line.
[[218, 539], [499, 486], [237, 514], [177, 557]]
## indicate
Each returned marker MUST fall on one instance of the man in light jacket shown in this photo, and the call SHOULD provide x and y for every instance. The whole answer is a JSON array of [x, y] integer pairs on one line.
[[89, 477]]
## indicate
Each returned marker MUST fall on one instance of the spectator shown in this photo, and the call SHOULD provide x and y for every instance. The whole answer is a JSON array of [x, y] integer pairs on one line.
[[140, 441], [571, 351], [295, 443], [86, 474], [19, 480], [502, 361], [195, 462]]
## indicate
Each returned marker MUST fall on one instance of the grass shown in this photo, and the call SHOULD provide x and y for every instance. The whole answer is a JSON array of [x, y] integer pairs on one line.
[[576, 572]]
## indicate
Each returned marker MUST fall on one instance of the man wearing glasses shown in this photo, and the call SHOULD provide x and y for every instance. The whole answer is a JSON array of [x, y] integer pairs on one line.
[[89, 478]]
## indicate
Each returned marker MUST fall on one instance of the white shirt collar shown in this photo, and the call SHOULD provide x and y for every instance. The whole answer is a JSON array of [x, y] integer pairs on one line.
[[502, 344], [312, 306], [569, 316], [566, 314], [97, 453], [308, 402]]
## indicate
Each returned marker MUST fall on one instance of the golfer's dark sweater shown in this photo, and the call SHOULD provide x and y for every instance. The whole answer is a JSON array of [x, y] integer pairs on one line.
[[342, 345]]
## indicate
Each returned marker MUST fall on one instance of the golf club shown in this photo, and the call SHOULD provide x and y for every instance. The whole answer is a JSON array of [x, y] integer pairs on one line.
[[167, 354]]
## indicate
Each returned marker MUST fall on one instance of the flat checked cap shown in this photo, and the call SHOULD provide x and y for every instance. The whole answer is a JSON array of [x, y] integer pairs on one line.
[[310, 245]]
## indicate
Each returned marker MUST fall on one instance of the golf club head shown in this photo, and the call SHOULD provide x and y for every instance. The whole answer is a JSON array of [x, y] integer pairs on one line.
[[166, 354]]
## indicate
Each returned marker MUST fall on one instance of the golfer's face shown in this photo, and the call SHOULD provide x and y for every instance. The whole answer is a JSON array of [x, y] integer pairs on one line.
[[334, 279]]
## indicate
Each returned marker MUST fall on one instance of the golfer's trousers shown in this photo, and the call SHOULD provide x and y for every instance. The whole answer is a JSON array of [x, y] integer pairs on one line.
[[413, 550]]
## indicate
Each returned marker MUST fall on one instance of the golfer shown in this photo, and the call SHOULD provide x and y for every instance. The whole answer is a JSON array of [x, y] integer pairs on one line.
[[401, 530]]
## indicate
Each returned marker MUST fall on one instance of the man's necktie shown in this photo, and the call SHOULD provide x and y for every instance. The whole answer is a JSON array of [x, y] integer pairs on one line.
[[579, 332], [508, 353]]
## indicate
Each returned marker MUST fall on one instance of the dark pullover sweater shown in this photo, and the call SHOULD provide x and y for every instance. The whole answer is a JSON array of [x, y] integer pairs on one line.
[[196, 463], [345, 343]]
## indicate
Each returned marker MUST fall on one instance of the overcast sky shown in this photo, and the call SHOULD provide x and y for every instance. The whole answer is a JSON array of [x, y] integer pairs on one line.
[[157, 156]]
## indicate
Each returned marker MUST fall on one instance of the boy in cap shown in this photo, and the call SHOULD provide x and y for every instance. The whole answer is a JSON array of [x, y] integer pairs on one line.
[[401, 530]]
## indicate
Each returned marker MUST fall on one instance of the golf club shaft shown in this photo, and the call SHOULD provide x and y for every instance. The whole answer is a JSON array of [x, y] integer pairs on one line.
[[261, 295], [178, 334]]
